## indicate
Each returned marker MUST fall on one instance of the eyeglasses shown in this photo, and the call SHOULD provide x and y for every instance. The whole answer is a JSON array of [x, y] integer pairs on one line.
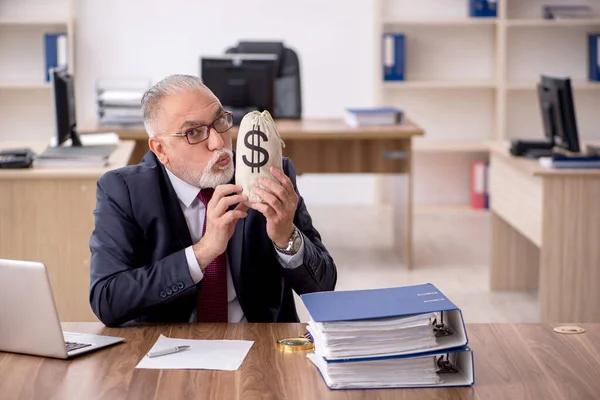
[[200, 133]]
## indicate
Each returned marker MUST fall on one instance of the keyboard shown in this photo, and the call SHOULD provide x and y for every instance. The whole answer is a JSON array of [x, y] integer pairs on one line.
[[76, 346]]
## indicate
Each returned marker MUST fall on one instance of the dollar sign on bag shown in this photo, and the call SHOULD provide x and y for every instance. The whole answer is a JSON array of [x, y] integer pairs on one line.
[[254, 146]]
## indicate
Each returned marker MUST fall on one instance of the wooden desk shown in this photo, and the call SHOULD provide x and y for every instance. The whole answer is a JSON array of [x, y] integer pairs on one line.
[[330, 146], [546, 235], [46, 215], [511, 362]]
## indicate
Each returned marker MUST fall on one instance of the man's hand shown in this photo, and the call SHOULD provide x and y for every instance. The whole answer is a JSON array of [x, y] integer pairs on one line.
[[220, 223], [279, 206]]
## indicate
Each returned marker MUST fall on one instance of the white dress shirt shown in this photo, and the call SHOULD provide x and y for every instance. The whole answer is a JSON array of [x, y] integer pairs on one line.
[[193, 211]]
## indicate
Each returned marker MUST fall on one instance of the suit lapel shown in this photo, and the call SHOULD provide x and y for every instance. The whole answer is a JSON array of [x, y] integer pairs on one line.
[[235, 248], [235, 253], [171, 206]]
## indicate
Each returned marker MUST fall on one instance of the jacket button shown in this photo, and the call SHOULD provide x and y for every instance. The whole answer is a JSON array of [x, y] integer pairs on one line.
[[180, 285], [175, 288], [162, 294], [169, 291]]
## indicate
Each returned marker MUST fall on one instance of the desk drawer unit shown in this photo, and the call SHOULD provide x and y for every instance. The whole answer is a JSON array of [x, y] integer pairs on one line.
[[516, 197]]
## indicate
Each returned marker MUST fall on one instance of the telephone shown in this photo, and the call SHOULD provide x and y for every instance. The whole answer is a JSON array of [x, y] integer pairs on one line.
[[16, 158]]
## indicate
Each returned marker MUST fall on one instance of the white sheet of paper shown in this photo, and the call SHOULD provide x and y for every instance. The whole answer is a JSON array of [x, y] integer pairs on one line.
[[225, 355]]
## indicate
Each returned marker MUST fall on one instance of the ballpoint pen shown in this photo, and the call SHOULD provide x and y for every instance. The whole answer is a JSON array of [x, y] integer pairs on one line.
[[170, 350]]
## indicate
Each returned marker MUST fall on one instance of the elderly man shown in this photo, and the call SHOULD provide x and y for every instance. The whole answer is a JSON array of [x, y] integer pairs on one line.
[[173, 240]]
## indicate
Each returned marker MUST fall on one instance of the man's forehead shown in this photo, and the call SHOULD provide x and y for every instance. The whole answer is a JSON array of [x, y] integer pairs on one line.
[[199, 106]]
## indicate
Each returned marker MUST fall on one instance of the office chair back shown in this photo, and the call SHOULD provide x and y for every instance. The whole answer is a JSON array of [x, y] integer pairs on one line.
[[288, 96]]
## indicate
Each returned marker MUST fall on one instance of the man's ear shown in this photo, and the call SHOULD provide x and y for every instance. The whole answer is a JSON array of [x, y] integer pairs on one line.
[[159, 149]]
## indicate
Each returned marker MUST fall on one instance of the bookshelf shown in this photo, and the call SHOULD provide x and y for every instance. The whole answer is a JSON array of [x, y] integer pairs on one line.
[[26, 110], [472, 81], [449, 84], [542, 23]]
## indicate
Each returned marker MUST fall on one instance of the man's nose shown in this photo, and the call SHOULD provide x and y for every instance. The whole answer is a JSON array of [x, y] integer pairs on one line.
[[215, 141]]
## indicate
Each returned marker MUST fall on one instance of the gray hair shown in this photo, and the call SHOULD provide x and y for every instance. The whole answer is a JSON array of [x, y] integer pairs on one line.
[[170, 85]]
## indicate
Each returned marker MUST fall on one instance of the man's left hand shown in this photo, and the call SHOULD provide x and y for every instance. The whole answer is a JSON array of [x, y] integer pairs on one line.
[[279, 207]]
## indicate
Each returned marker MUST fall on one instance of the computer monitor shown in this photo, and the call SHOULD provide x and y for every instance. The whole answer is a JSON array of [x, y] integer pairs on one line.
[[242, 82], [63, 96], [558, 113]]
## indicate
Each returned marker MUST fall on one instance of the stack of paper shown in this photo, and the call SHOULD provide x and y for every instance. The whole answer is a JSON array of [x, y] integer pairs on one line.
[[94, 152], [373, 337], [356, 117], [394, 337], [119, 100], [226, 355], [425, 370]]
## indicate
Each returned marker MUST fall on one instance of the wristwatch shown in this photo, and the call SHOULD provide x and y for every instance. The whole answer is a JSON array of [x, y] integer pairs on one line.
[[293, 245]]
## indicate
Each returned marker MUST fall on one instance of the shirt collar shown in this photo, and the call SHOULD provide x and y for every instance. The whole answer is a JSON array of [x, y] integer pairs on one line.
[[185, 192]]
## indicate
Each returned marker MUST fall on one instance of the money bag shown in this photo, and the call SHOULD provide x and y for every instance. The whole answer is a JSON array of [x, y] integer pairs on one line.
[[258, 147]]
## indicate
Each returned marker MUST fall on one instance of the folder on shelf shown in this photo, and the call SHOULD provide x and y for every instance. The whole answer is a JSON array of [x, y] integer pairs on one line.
[[487, 185], [567, 162], [478, 184], [435, 369], [393, 51], [362, 324], [482, 8], [594, 57], [55, 52]]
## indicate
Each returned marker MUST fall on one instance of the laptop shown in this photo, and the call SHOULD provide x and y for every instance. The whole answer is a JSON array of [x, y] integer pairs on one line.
[[29, 323]]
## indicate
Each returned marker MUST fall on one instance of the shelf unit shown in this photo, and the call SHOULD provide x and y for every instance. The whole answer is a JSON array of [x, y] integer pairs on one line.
[[452, 209], [542, 23], [472, 81], [24, 84], [455, 84], [451, 146], [439, 22], [531, 85], [26, 109]]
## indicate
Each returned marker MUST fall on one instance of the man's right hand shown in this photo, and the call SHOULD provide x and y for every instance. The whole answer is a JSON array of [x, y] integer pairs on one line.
[[220, 223]]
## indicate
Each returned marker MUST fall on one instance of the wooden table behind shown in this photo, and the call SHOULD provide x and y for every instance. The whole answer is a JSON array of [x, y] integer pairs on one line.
[[315, 145], [319, 146], [527, 361], [544, 234], [46, 215]]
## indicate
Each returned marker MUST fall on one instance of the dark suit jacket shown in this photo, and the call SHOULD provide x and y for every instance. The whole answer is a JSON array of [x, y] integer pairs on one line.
[[138, 267]]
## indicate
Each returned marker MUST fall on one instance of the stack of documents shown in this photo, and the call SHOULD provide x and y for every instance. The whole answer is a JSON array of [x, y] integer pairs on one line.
[[393, 337], [567, 162], [94, 152], [120, 106], [356, 117], [409, 371], [373, 337], [120, 100]]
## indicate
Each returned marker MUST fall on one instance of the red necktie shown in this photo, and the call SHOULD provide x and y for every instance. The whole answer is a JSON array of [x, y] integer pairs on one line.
[[212, 297]]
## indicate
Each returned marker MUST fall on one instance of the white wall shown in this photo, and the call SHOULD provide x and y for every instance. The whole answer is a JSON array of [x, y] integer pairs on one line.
[[141, 38], [155, 38]]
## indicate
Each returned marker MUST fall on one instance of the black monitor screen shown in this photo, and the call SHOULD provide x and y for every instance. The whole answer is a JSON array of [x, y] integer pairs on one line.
[[64, 106], [558, 112], [242, 82]]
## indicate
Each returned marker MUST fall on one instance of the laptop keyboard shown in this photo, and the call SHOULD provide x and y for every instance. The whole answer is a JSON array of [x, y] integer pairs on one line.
[[76, 346]]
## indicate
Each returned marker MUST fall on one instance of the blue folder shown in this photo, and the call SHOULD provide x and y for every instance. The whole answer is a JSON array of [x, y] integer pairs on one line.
[[55, 52], [393, 56], [458, 371], [594, 57], [482, 8], [376, 303], [403, 301]]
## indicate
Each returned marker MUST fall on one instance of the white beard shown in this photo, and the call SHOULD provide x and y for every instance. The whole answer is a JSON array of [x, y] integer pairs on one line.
[[212, 179]]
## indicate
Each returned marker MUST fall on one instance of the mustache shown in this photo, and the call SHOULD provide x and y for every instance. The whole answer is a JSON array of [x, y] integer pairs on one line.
[[217, 155]]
